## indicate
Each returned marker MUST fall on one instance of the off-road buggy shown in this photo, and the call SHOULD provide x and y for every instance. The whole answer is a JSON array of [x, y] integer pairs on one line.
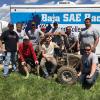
[[67, 69], [67, 64]]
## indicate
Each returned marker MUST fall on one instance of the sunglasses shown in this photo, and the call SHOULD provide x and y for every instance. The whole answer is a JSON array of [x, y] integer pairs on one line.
[[68, 29], [87, 49]]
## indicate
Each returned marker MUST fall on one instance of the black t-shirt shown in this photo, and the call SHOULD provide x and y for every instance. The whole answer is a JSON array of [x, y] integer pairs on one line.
[[10, 39]]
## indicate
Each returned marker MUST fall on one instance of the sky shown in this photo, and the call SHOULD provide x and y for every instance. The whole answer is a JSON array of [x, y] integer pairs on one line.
[[41, 2]]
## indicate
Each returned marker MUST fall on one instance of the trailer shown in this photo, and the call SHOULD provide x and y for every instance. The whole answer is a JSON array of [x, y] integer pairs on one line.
[[65, 15]]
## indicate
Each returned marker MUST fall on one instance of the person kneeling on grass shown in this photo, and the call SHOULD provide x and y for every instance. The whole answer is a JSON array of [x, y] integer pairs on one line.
[[89, 67], [26, 51]]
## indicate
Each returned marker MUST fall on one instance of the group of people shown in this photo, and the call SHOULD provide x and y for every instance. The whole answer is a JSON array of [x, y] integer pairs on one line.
[[18, 42]]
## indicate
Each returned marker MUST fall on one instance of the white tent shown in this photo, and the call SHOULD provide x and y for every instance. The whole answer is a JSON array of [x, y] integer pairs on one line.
[[4, 17]]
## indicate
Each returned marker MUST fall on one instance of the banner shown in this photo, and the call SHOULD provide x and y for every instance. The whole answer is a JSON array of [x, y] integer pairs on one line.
[[61, 17]]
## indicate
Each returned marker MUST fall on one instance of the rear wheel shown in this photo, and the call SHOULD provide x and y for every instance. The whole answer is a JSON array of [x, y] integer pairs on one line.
[[67, 75]]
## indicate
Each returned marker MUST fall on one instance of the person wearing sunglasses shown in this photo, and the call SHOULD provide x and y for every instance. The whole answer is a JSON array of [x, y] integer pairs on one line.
[[35, 35], [89, 67]]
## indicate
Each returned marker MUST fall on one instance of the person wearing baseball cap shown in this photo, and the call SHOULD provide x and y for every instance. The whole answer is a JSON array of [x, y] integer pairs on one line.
[[10, 39], [34, 35], [27, 53]]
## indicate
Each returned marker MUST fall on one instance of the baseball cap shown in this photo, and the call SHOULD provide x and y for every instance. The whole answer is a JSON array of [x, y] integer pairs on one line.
[[33, 23], [55, 23], [11, 25]]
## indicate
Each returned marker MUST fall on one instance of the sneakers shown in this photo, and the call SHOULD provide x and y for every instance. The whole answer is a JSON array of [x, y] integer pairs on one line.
[[15, 70], [47, 77], [5, 75]]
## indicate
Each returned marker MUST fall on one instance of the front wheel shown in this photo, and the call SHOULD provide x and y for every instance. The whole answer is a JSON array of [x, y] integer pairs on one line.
[[67, 75]]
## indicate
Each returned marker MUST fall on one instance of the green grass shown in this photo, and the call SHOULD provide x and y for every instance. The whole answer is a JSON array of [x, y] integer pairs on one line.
[[15, 87]]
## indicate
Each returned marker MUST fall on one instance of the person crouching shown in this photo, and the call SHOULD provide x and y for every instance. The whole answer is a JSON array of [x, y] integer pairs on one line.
[[26, 53]]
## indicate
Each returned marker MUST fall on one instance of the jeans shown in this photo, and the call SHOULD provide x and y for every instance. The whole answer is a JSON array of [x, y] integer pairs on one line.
[[89, 81], [10, 57]]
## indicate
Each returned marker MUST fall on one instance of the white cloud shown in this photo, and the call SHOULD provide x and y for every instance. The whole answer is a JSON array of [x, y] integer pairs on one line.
[[31, 1], [96, 1], [4, 5], [5, 12], [85, 1], [81, 1], [50, 3], [78, 1]]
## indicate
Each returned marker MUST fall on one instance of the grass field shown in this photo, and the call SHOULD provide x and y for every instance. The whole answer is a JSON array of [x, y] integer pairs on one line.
[[15, 87]]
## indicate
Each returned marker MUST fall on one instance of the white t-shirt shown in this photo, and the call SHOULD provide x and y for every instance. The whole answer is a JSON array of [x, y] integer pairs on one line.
[[21, 35], [55, 30], [49, 49], [34, 36]]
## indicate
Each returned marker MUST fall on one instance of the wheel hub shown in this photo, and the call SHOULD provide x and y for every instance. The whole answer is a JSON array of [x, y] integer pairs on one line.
[[67, 76]]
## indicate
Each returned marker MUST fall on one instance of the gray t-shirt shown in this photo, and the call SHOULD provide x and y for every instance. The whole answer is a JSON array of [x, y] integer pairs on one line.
[[72, 39], [88, 36], [34, 36], [55, 30], [87, 61]]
